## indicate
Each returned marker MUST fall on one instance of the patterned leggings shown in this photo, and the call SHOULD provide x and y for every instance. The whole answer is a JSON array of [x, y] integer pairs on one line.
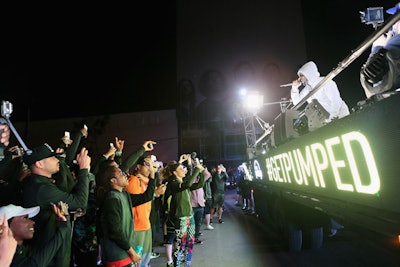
[[185, 241]]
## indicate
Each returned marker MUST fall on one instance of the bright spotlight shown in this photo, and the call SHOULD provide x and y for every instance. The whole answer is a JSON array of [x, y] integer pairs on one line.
[[253, 102], [243, 91]]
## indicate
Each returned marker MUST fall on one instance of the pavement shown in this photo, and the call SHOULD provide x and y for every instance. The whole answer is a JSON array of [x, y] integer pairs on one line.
[[222, 245], [242, 240]]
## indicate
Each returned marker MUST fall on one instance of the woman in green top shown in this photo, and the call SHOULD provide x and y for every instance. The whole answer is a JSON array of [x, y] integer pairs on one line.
[[180, 183]]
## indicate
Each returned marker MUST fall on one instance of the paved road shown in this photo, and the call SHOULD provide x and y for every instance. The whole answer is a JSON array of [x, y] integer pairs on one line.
[[243, 241]]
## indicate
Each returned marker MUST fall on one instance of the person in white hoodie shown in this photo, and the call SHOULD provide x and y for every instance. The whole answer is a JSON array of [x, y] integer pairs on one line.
[[328, 96]]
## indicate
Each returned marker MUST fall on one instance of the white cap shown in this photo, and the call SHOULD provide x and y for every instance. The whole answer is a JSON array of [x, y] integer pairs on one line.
[[14, 211]]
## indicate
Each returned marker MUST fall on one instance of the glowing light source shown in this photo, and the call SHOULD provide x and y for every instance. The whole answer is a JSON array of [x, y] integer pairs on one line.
[[253, 102]]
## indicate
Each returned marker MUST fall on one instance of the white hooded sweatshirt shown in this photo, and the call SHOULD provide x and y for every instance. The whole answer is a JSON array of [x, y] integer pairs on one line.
[[328, 96]]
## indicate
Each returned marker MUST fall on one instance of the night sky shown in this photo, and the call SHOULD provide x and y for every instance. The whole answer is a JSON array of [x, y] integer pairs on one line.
[[62, 62]]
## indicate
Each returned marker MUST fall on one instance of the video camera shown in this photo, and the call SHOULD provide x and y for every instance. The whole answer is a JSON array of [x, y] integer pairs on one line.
[[6, 110], [372, 15]]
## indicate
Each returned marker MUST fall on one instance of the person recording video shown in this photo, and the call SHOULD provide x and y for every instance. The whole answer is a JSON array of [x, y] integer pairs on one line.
[[390, 40], [379, 74]]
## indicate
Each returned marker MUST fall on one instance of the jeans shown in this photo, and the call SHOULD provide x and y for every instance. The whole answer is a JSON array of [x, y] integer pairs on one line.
[[198, 219]]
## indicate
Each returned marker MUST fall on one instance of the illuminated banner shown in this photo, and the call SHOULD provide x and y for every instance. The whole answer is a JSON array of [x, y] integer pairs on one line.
[[344, 162]]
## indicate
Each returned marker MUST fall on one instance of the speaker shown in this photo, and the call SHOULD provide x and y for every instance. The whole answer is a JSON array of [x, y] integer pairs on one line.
[[284, 127], [316, 115]]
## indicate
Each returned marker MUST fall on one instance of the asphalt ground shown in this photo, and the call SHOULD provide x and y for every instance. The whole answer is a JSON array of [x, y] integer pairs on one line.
[[242, 240]]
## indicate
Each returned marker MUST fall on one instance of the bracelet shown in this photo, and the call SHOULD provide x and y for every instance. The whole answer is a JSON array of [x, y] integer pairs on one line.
[[118, 153]]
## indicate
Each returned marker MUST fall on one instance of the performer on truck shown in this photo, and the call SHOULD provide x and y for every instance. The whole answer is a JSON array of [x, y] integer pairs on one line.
[[328, 96]]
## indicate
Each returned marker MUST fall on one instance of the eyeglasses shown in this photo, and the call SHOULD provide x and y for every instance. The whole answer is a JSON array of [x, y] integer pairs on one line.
[[184, 168]]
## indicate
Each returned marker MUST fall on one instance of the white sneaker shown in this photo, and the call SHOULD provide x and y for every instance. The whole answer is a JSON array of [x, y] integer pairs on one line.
[[209, 227]]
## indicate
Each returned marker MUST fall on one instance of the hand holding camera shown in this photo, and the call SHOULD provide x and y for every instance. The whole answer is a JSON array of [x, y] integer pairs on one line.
[[149, 145], [16, 151], [221, 168], [183, 158], [60, 210], [66, 139], [84, 131], [199, 165]]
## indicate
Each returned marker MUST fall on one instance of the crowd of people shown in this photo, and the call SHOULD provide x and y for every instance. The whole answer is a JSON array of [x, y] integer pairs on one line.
[[58, 207]]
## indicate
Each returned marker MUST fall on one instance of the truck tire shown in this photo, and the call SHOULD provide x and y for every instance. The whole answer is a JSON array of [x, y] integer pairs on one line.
[[290, 231], [295, 238], [313, 237], [261, 206]]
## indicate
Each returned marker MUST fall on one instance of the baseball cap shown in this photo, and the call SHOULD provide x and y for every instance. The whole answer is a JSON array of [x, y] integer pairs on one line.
[[394, 9], [39, 153], [14, 211]]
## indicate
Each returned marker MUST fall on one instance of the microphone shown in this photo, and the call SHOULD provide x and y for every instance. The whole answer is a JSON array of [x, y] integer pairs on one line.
[[286, 85], [289, 84]]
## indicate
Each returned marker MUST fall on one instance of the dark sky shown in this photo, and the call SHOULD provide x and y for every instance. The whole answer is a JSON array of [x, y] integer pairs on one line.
[[91, 60], [333, 31]]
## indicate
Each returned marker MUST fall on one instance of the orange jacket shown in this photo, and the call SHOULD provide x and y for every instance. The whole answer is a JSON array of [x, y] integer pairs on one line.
[[141, 213]]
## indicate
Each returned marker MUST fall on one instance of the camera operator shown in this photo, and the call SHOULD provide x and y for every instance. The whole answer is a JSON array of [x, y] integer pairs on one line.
[[390, 40], [386, 47], [13, 172]]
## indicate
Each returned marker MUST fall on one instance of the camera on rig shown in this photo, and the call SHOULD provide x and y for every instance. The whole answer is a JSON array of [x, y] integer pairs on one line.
[[6, 110], [372, 15]]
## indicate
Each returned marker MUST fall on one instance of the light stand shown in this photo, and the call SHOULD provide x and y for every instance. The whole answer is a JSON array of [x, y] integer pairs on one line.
[[249, 122]]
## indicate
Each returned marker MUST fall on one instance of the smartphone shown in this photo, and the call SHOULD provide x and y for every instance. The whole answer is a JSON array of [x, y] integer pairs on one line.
[[66, 134], [84, 126], [111, 145]]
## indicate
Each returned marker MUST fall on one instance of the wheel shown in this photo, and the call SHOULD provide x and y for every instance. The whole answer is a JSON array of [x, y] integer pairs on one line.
[[290, 231], [313, 237], [295, 237], [261, 206]]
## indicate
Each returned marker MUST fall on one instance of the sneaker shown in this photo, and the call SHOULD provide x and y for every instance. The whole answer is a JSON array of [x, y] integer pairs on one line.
[[209, 227], [332, 233], [198, 241], [170, 264], [200, 233], [154, 255], [220, 221]]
